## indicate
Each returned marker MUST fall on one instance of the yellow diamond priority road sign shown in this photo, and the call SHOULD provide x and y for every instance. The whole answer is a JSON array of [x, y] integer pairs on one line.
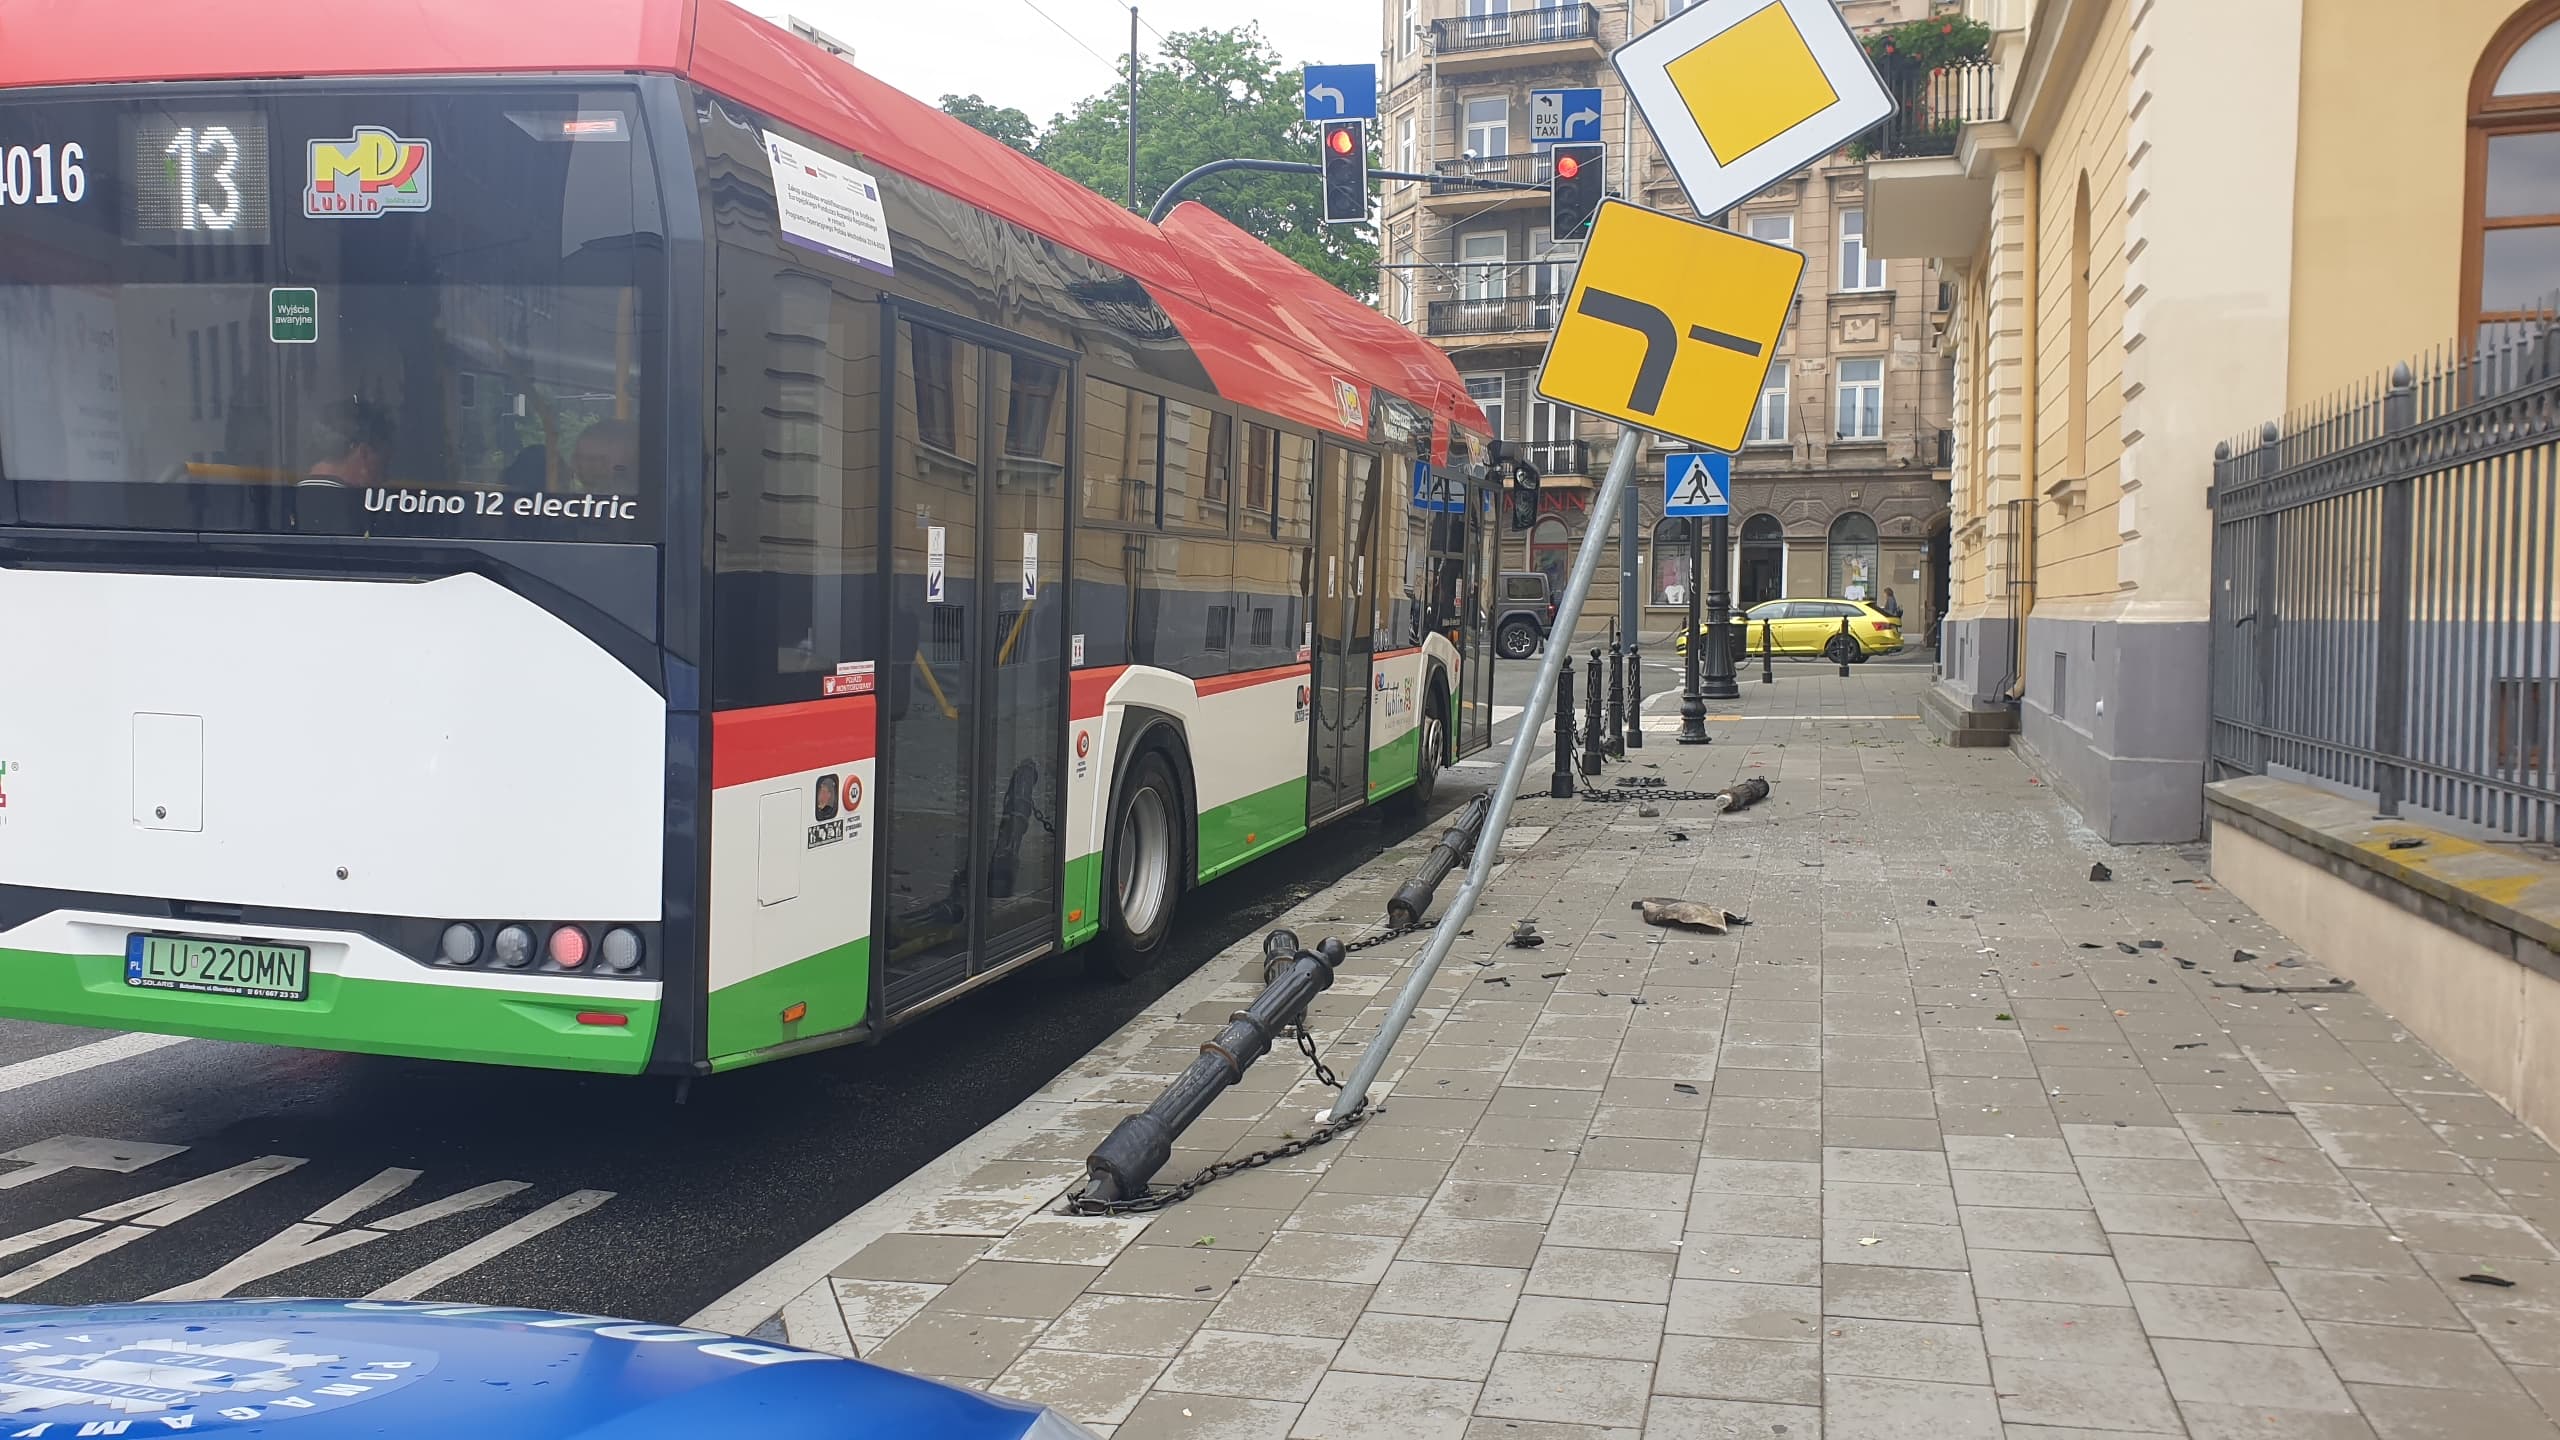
[[1742, 93], [1671, 325]]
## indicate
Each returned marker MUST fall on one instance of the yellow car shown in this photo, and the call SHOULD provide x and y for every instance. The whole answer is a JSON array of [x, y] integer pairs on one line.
[[1812, 627]]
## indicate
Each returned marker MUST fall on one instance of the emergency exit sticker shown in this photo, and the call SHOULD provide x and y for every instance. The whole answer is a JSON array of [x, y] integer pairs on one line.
[[293, 316], [933, 556], [1030, 564]]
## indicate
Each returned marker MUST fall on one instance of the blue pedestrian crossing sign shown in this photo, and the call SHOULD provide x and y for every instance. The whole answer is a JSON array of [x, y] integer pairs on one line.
[[1698, 485], [1564, 117], [1439, 494], [1342, 92]]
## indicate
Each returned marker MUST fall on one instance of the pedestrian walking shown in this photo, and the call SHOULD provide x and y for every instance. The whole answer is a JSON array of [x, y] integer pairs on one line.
[[1891, 606]]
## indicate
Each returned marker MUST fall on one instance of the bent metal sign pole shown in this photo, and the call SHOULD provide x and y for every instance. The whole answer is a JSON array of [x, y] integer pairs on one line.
[[1515, 773]]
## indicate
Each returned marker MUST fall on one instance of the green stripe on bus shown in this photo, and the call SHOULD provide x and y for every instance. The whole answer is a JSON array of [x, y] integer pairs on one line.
[[1084, 900], [835, 984], [425, 1018], [1237, 831], [1391, 765]]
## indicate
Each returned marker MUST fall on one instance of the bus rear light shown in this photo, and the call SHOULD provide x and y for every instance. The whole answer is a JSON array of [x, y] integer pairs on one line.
[[513, 947], [795, 1012], [460, 944], [620, 950], [568, 947], [602, 1017]]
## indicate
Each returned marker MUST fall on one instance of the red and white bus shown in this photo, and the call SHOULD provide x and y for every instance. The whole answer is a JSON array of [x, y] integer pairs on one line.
[[598, 535]]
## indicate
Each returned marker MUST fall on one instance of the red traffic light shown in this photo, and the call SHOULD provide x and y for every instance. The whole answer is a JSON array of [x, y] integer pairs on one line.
[[1568, 166], [1341, 141]]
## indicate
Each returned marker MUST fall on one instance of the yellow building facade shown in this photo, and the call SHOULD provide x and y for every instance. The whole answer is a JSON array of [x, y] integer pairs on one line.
[[2166, 223]]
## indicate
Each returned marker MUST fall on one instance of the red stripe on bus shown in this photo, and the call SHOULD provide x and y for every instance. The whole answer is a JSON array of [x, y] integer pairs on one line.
[[752, 745], [1220, 684], [1397, 654], [1086, 689]]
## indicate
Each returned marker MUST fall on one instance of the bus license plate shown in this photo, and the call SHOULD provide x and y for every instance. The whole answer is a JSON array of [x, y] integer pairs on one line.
[[218, 967]]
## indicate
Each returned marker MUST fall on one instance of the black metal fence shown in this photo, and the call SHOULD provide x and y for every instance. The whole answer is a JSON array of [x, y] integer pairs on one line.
[[1493, 315], [1496, 29], [2384, 589], [1931, 104]]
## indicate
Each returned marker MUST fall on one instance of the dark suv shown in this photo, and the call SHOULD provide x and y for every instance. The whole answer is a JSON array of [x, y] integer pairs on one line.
[[1527, 611]]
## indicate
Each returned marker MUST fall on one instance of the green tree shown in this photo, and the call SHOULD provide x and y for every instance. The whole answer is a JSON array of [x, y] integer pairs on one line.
[[1001, 122], [1208, 95]]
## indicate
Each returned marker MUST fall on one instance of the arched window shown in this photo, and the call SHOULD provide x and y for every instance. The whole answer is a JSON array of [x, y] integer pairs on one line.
[[1671, 562], [1551, 552], [2511, 253], [1764, 562], [1855, 557]]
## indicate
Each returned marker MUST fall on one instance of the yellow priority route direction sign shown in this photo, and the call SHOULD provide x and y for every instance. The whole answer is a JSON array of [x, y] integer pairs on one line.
[[1671, 325], [1742, 93]]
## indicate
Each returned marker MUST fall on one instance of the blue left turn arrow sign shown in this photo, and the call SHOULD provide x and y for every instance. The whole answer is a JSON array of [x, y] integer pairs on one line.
[[1341, 92]]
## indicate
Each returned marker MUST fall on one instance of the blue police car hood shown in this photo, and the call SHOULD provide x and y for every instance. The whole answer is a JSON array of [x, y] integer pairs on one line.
[[322, 1370]]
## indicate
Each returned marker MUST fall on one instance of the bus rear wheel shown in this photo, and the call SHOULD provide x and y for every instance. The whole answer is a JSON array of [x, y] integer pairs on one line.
[[1430, 736], [1141, 870]]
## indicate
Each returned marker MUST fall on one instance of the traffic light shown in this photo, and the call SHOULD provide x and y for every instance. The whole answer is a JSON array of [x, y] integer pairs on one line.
[[1346, 172], [1524, 495], [1576, 190]]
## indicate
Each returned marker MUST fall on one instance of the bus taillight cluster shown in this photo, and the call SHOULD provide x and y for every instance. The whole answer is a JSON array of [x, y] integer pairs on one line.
[[560, 949]]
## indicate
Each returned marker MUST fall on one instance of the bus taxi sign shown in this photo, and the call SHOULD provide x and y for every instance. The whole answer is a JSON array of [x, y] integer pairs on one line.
[[1742, 93], [1671, 325]]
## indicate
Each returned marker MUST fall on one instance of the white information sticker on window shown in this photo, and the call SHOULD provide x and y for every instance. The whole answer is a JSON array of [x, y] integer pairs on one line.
[[827, 206], [1030, 564], [933, 555], [1075, 648]]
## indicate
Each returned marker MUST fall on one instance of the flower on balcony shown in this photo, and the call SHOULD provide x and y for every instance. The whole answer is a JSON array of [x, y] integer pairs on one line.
[[1934, 42]]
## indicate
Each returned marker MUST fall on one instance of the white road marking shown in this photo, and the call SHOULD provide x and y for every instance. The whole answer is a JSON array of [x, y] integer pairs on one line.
[[148, 1213], [490, 1246], [310, 1238], [81, 1152], [1505, 712], [20, 1074]]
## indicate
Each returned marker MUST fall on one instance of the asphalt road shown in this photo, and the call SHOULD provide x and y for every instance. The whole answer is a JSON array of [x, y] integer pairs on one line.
[[259, 1171]]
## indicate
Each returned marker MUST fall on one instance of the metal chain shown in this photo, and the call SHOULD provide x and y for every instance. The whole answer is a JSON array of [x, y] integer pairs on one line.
[[1155, 1200]]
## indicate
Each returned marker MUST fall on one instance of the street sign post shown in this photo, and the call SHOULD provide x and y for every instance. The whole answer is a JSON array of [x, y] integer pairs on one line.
[[1564, 117], [1341, 92], [1697, 485], [1742, 93], [1671, 326]]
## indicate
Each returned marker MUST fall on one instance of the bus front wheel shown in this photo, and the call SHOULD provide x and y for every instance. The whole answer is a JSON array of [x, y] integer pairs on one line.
[[1141, 870]]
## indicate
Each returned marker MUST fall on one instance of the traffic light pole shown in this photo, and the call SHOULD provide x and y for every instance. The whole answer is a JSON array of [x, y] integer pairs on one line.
[[1173, 193]]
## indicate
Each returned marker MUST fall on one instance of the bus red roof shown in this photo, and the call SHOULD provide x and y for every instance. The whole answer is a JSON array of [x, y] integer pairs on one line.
[[1242, 305]]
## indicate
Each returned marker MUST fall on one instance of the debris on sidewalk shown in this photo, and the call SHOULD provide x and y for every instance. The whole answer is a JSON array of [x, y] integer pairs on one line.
[[1742, 795], [2099, 871], [2500, 1281], [2411, 842], [1689, 915], [1525, 936], [2333, 987]]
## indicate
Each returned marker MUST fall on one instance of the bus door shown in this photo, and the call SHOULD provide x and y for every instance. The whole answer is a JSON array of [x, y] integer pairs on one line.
[[975, 673], [1346, 594]]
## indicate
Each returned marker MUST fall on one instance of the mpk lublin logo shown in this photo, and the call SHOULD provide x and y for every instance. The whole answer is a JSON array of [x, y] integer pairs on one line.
[[367, 175]]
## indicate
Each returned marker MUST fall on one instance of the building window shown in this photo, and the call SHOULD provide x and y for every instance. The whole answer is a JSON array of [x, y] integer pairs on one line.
[[1406, 280], [1861, 399], [1488, 122], [1488, 17], [1769, 418], [1671, 562], [2512, 221], [1776, 229], [1551, 552], [1551, 437], [1482, 275], [1406, 28], [2075, 410], [1854, 557], [1550, 279], [1762, 575], [1858, 270], [1404, 144], [1674, 7], [1486, 391]]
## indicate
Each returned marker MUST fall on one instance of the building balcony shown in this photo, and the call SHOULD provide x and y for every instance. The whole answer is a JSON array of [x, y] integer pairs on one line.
[[1453, 192], [1507, 39], [1928, 191], [1530, 318], [1558, 459]]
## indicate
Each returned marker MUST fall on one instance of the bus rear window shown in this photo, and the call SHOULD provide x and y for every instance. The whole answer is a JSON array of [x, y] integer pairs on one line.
[[357, 312]]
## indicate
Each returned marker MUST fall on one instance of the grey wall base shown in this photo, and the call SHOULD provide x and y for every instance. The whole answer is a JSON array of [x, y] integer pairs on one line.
[[1966, 706], [2116, 712]]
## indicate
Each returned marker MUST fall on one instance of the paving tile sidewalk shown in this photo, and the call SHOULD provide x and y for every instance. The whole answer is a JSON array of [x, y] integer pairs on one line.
[[1950, 1142]]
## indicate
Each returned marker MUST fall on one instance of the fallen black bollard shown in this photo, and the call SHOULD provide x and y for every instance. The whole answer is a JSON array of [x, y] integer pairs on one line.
[[1120, 1167], [1412, 900], [1742, 795]]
